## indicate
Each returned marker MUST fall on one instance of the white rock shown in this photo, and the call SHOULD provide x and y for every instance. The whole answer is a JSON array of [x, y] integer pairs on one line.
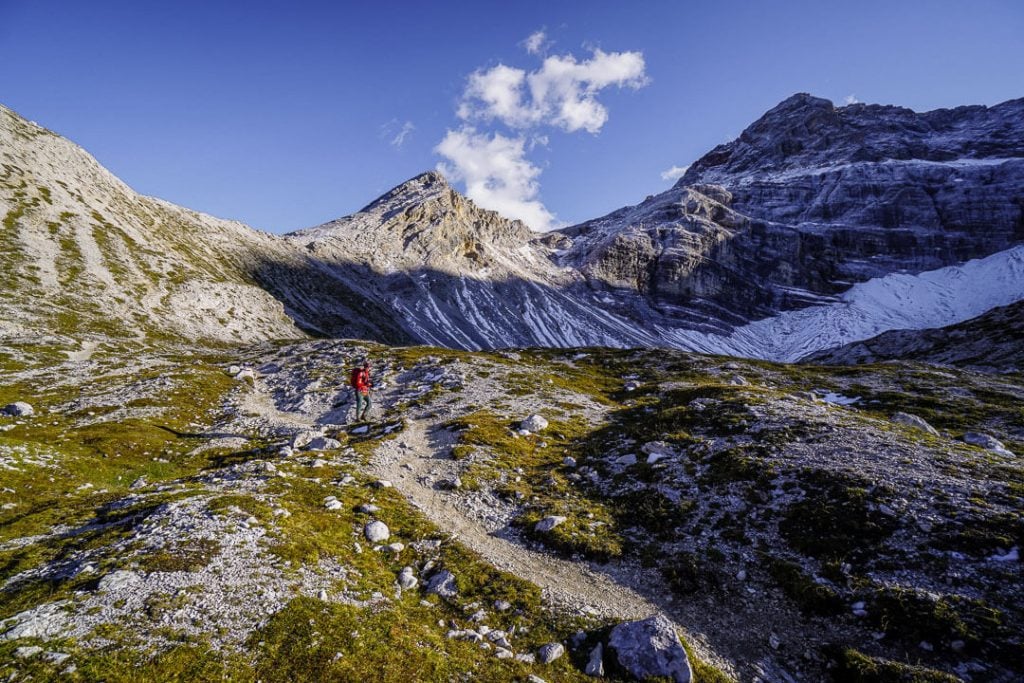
[[502, 605], [550, 652], [376, 531], [407, 578], [915, 422], [1012, 556], [44, 622], [649, 648], [548, 523], [139, 483], [322, 443], [987, 442], [503, 653], [119, 580], [18, 409], [270, 468], [360, 430], [321, 595], [368, 508], [246, 374], [595, 665], [333, 505], [533, 424], [569, 461], [318, 463], [395, 548], [382, 484], [443, 583], [303, 437], [626, 460]]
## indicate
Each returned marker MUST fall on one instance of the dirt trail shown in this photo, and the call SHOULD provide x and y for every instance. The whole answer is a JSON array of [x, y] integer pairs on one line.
[[565, 584], [419, 457]]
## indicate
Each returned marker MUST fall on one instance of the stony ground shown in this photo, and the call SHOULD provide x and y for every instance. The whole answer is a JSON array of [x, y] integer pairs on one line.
[[207, 515]]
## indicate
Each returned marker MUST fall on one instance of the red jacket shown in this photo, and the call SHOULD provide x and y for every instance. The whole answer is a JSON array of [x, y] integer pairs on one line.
[[360, 380]]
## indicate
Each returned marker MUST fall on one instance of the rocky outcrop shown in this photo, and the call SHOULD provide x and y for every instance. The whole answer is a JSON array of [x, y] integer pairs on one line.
[[810, 199], [650, 648]]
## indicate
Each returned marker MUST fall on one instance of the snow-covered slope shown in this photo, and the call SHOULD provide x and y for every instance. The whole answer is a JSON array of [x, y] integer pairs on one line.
[[898, 301]]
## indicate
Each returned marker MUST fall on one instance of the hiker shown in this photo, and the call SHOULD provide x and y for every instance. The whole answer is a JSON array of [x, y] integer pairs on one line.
[[360, 381]]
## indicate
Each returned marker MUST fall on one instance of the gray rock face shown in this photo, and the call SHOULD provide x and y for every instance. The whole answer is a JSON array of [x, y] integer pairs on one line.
[[18, 409], [915, 422], [45, 622], [650, 647], [443, 583], [809, 199], [119, 580]]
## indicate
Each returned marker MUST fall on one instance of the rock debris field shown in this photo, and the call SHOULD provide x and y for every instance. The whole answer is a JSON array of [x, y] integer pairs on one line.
[[552, 515]]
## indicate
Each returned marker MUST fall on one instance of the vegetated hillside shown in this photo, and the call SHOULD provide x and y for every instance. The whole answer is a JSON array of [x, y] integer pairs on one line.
[[992, 340], [85, 257], [190, 518]]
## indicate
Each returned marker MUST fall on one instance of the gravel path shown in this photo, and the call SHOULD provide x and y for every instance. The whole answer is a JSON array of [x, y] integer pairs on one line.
[[411, 463]]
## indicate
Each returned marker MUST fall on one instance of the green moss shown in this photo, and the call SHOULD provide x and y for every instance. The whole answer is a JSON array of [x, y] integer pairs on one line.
[[809, 595], [689, 573], [190, 556], [912, 616], [852, 666], [835, 519]]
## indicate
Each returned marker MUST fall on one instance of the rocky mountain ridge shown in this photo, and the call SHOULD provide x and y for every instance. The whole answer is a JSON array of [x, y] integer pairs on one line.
[[808, 201]]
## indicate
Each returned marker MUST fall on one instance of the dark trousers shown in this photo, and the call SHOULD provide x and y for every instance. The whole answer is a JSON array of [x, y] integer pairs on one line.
[[362, 405]]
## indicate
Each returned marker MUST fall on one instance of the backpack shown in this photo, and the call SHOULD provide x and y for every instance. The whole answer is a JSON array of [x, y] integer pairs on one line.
[[354, 378]]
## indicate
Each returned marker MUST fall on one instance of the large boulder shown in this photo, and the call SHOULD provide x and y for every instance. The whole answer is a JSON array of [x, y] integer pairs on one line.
[[443, 583], [650, 647], [18, 409], [550, 652], [548, 523], [376, 532], [987, 442], [534, 423], [322, 443], [915, 422]]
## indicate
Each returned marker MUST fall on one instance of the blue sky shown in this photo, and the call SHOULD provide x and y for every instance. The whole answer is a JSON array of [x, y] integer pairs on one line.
[[286, 115]]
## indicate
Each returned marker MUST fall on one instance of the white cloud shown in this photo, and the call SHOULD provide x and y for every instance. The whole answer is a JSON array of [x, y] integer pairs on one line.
[[562, 92], [497, 174], [674, 173], [403, 134], [397, 133], [536, 42], [851, 99]]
